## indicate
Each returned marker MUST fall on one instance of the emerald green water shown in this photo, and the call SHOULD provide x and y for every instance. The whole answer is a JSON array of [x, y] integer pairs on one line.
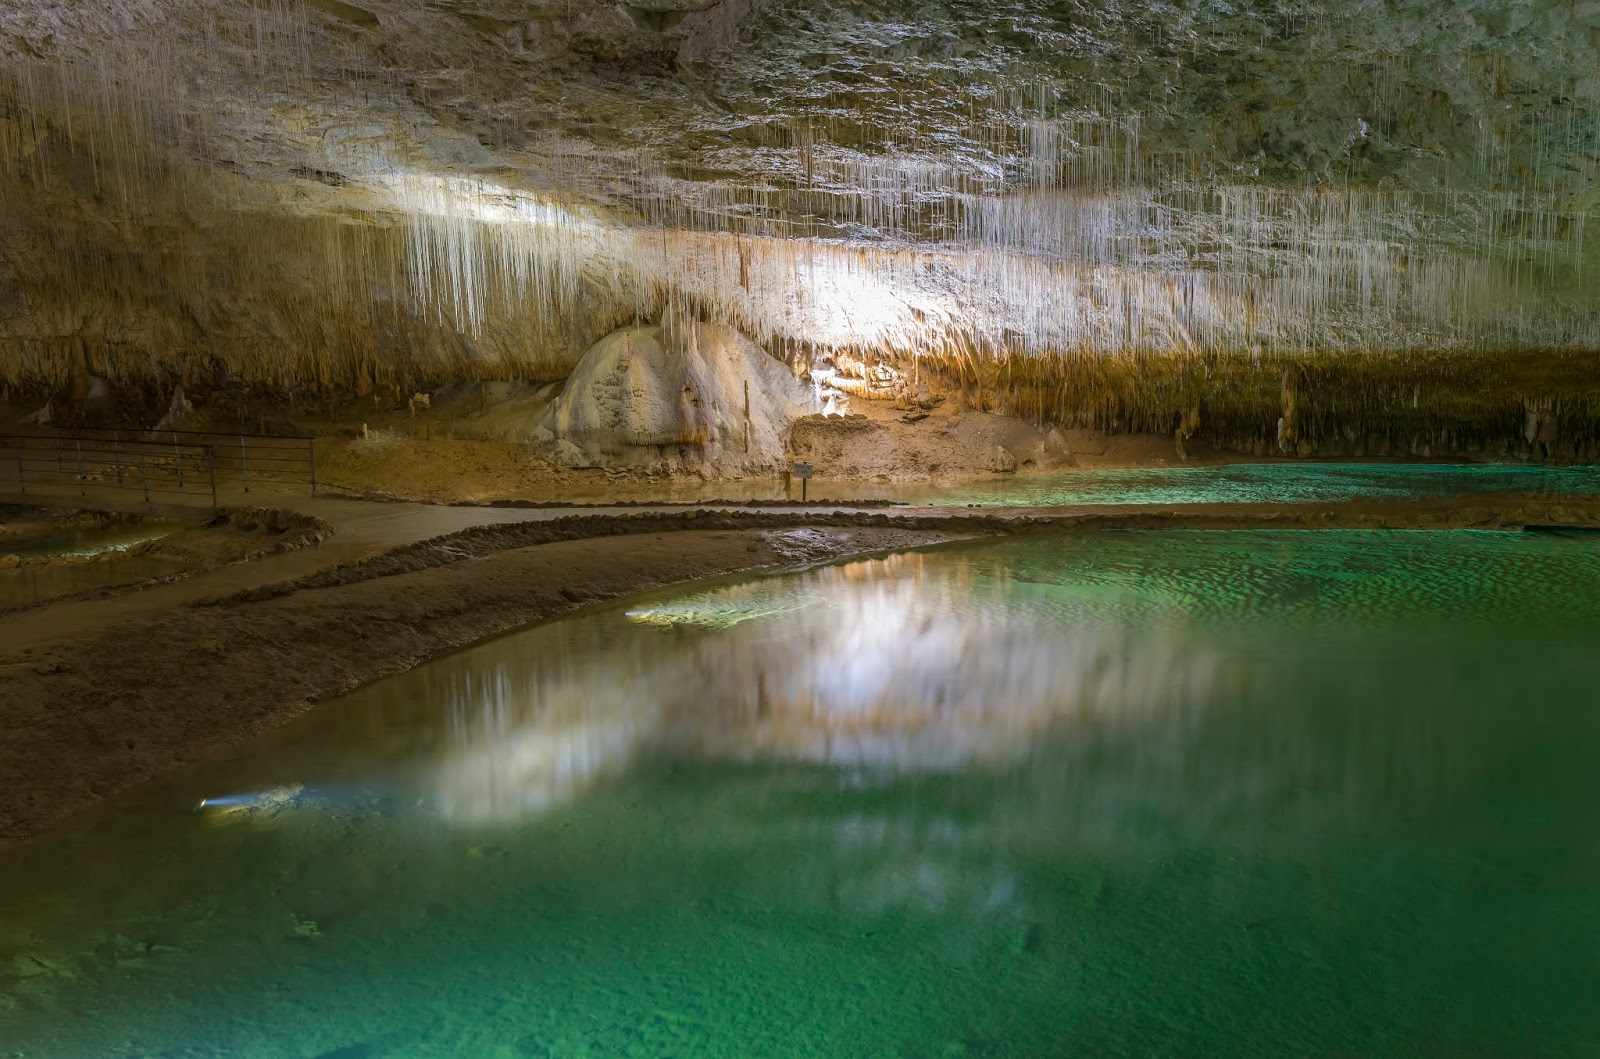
[[1252, 483], [1176, 793]]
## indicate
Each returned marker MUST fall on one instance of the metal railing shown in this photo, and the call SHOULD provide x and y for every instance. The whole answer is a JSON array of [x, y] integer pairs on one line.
[[157, 462]]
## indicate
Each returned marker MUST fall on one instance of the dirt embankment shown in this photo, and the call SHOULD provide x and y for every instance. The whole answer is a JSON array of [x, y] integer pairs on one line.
[[240, 533]]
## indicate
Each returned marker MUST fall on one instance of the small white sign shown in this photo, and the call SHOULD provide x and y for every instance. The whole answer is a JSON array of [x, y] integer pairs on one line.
[[802, 471]]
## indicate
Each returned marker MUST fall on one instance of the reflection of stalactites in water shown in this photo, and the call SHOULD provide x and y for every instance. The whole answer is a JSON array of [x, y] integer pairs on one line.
[[720, 610], [1129, 698], [529, 737], [873, 664], [921, 672], [909, 688], [534, 769]]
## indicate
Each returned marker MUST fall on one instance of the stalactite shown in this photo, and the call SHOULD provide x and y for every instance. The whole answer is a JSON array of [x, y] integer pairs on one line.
[[1043, 225]]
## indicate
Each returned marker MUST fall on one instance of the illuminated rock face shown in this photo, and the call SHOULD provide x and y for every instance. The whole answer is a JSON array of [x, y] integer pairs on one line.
[[683, 395], [394, 193]]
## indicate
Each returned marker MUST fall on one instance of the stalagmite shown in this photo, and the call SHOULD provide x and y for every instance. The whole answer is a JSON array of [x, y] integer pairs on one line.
[[676, 396], [1288, 426]]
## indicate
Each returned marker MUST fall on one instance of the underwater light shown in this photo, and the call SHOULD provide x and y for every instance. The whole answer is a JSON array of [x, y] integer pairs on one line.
[[273, 797], [228, 801]]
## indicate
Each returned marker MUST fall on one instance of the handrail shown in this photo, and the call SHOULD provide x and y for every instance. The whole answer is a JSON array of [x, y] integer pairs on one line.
[[200, 433], [167, 462]]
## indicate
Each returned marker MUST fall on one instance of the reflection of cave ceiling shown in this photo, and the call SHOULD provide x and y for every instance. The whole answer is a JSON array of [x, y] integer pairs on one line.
[[1193, 173]]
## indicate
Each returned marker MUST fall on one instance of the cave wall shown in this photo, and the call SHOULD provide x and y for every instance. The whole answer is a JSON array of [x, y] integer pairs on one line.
[[154, 274], [1541, 404], [314, 198]]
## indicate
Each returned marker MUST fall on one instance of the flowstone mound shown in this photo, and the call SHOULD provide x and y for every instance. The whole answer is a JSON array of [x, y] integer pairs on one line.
[[683, 396]]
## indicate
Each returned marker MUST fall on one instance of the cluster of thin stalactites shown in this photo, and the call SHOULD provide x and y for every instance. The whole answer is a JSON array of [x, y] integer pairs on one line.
[[1082, 245]]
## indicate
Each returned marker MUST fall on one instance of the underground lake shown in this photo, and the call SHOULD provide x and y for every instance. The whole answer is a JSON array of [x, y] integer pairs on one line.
[[1138, 792]]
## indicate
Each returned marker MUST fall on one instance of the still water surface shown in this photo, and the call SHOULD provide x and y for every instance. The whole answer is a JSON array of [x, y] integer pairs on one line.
[[37, 582], [1266, 483], [1286, 482], [34, 581], [86, 540], [1178, 793]]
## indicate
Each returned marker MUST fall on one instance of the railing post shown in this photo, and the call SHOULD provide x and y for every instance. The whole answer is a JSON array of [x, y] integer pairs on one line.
[[116, 458], [177, 457], [211, 462], [244, 468], [22, 478], [144, 474], [83, 489], [311, 450]]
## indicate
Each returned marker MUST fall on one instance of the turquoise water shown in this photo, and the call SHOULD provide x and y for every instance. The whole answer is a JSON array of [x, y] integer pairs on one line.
[[1296, 482], [1250, 483], [1176, 793]]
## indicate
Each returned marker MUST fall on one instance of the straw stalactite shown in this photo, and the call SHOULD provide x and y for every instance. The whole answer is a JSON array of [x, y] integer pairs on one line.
[[289, 198]]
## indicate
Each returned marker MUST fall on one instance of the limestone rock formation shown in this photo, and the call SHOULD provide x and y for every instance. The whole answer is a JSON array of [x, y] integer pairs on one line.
[[332, 197], [685, 395]]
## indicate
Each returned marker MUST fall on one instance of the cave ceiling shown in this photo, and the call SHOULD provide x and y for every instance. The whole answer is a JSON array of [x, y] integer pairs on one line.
[[1235, 174]]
